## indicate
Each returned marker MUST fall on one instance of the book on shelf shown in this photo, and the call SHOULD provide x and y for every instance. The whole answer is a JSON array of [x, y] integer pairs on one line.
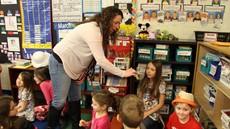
[[116, 81]]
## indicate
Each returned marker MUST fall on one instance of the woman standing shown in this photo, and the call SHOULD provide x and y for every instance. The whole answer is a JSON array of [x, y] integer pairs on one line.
[[75, 55]]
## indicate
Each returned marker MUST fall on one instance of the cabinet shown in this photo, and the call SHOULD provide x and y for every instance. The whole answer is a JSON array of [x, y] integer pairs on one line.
[[13, 74], [222, 99], [171, 59]]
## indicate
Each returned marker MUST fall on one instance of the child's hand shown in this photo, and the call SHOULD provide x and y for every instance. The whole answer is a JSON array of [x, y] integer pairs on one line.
[[145, 115], [83, 123]]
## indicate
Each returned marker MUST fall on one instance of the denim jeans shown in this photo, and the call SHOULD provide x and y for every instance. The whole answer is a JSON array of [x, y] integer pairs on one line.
[[63, 85]]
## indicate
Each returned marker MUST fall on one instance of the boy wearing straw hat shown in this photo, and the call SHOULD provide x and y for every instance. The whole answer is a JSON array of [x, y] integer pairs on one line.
[[182, 117]]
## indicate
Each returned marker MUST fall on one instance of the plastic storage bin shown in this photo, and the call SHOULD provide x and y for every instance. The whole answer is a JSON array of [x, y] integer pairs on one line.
[[145, 53], [225, 118], [94, 85], [221, 36], [122, 63], [215, 70], [206, 62], [181, 75], [225, 71], [161, 54], [184, 55]]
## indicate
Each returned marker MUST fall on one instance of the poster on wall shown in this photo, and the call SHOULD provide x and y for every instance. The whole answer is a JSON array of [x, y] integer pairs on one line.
[[36, 23], [197, 11], [10, 31], [67, 10]]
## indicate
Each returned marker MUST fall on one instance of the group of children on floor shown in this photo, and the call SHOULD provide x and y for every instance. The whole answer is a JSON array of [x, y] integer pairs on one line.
[[141, 111]]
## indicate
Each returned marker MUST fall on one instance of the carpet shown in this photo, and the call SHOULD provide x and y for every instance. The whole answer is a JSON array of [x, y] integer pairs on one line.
[[42, 124]]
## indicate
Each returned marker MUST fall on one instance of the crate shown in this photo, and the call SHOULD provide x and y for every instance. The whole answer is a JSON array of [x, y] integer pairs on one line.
[[166, 72], [169, 94], [161, 54], [122, 63], [92, 86], [206, 62], [221, 36], [145, 53], [215, 70], [183, 55], [181, 75], [83, 86], [116, 85], [225, 71], [225, 118]]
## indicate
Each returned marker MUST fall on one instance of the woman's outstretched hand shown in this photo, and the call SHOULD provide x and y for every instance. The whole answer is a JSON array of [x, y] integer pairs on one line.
[[130, 72]]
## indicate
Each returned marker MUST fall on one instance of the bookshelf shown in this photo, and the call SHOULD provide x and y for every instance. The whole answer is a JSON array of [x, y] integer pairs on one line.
[[222, 99], [13, 74]]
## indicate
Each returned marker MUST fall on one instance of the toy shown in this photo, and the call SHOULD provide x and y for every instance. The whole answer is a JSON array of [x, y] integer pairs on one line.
[[143, 30], [164, 35]]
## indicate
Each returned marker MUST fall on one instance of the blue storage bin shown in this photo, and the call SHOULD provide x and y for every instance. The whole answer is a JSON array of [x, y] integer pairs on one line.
[[83, 86], [181, 75], [161, 54], [206, 62], [205, 65], [145, 53], [215, 70], [184, 55], [94, 86]]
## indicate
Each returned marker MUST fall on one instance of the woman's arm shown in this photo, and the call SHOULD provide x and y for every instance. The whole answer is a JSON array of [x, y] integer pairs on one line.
[[158, 107]]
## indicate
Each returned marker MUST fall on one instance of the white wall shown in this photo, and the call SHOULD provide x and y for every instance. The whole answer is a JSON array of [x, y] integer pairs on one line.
[[186, 30]]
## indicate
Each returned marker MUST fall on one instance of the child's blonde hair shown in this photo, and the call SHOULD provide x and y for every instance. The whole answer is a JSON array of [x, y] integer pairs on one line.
[[131, 110]]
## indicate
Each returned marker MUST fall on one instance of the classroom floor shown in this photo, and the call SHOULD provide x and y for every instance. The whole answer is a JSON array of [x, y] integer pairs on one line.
[[42, 125], [114, 123]]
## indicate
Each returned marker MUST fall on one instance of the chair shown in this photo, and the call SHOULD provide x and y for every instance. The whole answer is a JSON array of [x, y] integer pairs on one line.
[[0, 81]]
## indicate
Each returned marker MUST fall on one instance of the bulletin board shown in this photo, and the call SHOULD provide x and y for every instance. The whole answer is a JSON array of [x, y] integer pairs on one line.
[[11, 31], [67, 13], [28, 26], [197, 11], [36, 26]]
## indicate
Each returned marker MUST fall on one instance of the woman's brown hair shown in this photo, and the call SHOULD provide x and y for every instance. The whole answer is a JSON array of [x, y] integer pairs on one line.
[[104, 21]]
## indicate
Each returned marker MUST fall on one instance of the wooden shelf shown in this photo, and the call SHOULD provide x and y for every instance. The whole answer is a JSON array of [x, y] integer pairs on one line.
[[220, 86], [204, 103], [169, 62], [222, 98], [13, 75]]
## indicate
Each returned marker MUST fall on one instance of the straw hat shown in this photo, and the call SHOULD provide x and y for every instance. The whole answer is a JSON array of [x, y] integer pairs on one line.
[[184, 97], [40, 59]]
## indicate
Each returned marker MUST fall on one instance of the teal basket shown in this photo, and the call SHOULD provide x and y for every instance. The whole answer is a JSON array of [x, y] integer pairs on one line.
[[183, 55], [161, 54], [145, 53], [181, 75], [90, 87]]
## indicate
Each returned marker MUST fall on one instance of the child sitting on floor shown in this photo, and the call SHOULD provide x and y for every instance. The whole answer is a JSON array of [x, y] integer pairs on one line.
[[182, 117], [102, 100], [131, 112]]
